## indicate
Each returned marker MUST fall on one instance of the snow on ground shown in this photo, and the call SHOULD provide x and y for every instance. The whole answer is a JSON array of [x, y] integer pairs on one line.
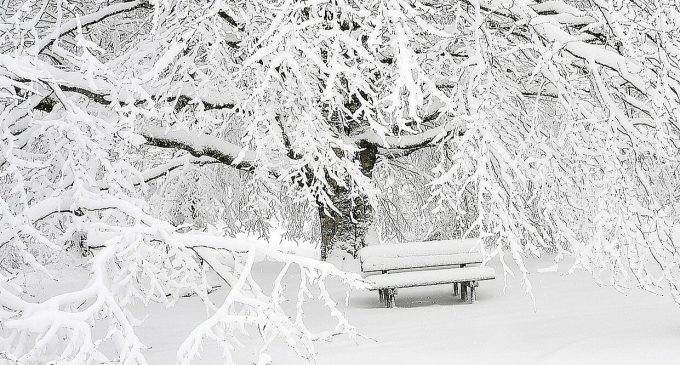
[[575, 322]]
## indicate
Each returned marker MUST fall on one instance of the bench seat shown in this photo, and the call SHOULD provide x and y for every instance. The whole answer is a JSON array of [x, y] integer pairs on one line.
[[410, 279]]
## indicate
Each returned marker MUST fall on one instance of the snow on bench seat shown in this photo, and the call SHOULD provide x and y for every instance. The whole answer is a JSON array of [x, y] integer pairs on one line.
[[420, 254], [430, 277]]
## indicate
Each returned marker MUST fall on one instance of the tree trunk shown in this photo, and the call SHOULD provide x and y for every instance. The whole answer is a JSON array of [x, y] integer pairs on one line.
[[347, 228]]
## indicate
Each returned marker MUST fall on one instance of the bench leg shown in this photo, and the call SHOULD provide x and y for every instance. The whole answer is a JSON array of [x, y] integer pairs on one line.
[[463, 291], [455, 289], [389, 300], [473, 294]]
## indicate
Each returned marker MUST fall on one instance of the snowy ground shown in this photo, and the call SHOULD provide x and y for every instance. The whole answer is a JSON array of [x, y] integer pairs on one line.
[[575, 322]]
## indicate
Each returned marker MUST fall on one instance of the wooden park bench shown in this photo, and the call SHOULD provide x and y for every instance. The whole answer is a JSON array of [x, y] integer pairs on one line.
[[405, 265]]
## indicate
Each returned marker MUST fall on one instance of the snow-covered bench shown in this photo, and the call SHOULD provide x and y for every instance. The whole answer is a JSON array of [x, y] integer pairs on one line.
[[404, 265]]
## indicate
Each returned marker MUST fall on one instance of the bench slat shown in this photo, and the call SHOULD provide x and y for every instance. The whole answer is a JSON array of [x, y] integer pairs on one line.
[[430, 277], [420, 254], [413, 262]]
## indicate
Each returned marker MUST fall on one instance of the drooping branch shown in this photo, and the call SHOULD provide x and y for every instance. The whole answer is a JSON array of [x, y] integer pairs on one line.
[[72, 312], [551, 28]]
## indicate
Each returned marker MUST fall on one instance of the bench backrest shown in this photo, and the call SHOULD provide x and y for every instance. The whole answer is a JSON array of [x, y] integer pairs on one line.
[[420, 254]]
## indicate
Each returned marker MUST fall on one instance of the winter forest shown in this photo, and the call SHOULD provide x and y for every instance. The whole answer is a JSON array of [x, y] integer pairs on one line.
[[255, 182]]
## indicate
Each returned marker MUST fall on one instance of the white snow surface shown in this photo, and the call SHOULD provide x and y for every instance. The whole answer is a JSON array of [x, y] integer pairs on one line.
[[430, 277], [574, 321], [420, 254]]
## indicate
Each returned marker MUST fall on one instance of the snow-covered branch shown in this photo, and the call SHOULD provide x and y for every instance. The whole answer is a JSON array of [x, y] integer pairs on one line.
[[200, 144], [126, 249], [84, 21], [429, 137]]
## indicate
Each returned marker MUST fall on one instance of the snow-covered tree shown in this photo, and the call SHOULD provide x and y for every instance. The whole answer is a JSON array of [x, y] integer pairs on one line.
[[538, 125]]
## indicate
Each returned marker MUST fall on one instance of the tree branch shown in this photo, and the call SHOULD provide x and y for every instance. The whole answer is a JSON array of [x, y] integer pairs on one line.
[[550, 29], [200, 144], [162, 170], [159, 171], [391, 145], [86, 20], [182, 101]]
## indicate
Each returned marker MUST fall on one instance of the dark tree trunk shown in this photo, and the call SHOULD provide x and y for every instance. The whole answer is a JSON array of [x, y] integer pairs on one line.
[[346, 229]]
